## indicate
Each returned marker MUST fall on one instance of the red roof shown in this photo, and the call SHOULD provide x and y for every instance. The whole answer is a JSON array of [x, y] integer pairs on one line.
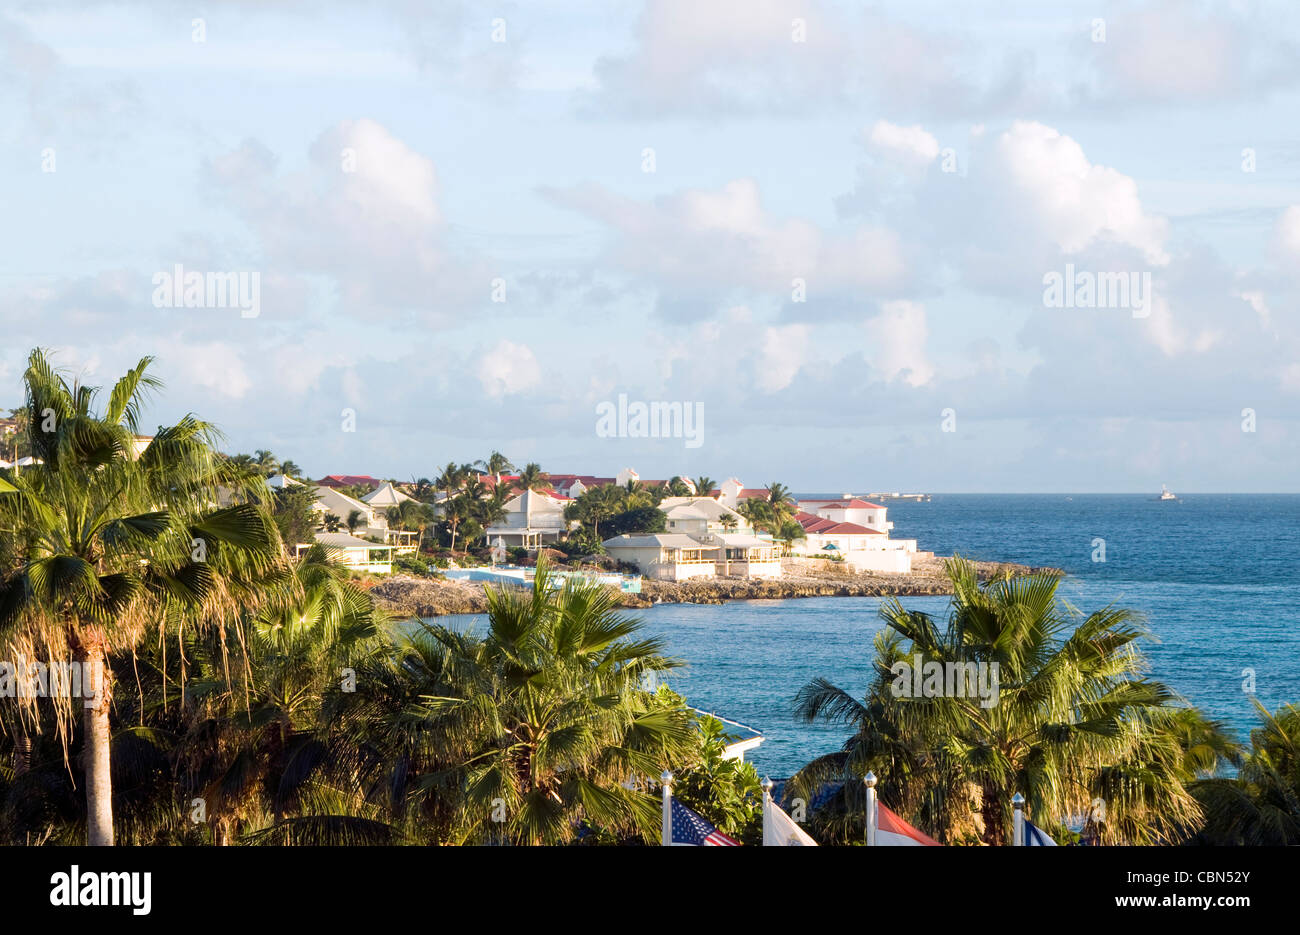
[[490, 480], [812, 523], [588, 480], [851, 505], [348, 480], [751, 493], [849, 529]]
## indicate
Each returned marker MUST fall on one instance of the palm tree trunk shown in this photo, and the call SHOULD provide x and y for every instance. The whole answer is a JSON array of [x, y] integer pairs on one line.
[[994, 818], [22, 750], [96, 754]]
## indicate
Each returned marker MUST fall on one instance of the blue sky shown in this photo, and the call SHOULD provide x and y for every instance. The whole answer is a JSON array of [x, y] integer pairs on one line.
[[824, 160]]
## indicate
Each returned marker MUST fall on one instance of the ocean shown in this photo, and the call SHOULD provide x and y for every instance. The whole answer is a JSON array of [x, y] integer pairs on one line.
[[1216, 575]]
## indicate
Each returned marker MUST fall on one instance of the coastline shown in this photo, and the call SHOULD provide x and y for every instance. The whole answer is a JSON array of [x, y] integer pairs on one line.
[[408, 596]]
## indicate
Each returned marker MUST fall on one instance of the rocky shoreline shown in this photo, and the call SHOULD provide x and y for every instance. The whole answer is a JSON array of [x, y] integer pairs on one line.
[[408, 596]]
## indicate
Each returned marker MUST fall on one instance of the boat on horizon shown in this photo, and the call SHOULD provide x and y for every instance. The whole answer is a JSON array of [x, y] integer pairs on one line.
[[1166, 494]]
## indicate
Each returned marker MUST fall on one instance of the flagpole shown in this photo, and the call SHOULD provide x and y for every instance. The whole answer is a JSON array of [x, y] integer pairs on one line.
[[1018, 822], [869, 781], [767, 798], [666, 827]]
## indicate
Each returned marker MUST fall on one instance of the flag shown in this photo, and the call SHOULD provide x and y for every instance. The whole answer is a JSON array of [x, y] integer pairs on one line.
[[780, 830], [690, 830], [1036, 836], [892, 831]]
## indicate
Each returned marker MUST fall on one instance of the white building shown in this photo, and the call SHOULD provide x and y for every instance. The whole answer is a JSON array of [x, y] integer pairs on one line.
[[532, 518], [356, 554], [723, 538], [860, 512], [854, 530], [329, 500], [385, 496], [666, 556]]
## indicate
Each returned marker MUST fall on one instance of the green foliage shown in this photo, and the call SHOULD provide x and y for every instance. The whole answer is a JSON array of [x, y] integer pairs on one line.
[[1260, 806], [1074, 721], [526, 732], [608, 510], [291, 509], [642, 519], [725, 791], [417, 565], [105, 545], [582, 543]]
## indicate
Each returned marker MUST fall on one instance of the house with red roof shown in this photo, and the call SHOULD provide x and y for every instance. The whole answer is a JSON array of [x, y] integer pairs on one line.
[[853, 530], [732, 493], [349, 480], [849, 510]]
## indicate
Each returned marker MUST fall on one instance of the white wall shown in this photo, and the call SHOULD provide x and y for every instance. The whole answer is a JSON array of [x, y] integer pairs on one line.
[[895, 561]]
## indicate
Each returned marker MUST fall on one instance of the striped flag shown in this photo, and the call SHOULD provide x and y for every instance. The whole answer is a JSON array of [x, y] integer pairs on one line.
[[1036, 836], [892, 831], [690, 830]]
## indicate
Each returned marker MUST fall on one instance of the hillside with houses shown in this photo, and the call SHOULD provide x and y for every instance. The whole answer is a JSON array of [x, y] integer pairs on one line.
[[674, 529], [430, 544]]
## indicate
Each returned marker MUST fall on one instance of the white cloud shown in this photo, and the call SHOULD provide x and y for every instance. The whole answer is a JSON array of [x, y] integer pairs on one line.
[[896, 343], [1069, 199], [909, 144], [726, 55], [783, 352], [702, 243], [216, 366], [1286, 234], [508, 368], [365, 215]]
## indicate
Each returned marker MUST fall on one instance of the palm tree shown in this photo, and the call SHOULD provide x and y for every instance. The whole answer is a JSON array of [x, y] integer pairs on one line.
[[541, 722], [780, 502], [532, 477], [290, 469], [455, 512], [492, 508], [704, 485], [106, 545], [497, 464], [354, 520], [450, 479], [22, 424], [1073, 719], [758, 513], [1260, 806], [245, 732], [267, 462], [423, 489], [596, 504]]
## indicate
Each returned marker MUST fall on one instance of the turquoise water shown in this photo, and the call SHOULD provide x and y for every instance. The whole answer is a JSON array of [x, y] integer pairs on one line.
[[1217, 576]]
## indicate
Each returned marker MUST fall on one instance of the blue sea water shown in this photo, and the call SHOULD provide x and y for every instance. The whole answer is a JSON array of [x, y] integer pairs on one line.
[[1217, 577]]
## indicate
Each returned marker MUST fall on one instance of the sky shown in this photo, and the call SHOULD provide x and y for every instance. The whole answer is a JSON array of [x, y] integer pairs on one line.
[[856, 239]]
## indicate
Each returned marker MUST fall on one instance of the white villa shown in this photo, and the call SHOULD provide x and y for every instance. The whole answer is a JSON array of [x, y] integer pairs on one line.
[[385, 496], [532, 519], [668, 556], [356, 554], [374, 520], [854, 530], [703, 539]]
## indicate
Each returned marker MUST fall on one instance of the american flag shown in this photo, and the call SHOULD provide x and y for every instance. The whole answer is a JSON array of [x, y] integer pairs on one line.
[[690, 830]]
